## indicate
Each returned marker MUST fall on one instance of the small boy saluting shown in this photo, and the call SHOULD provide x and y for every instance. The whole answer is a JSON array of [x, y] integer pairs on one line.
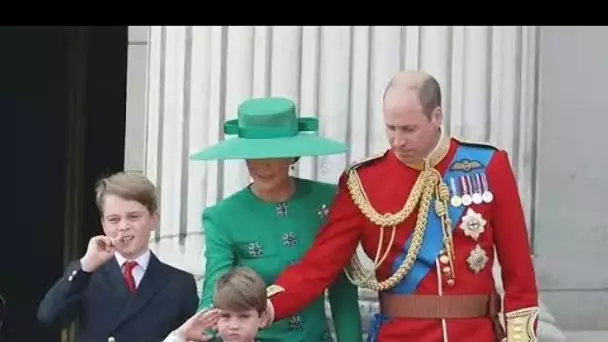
[[240, 305]]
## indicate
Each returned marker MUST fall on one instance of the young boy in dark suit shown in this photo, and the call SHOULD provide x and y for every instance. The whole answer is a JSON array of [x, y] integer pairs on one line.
[[239, 311], [119, 290]]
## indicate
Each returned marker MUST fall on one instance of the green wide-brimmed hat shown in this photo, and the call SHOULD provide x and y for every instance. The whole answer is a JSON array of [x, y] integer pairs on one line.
[[270, 128]]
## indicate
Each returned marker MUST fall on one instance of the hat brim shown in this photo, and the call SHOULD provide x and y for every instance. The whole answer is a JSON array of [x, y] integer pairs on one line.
[[301, 145]]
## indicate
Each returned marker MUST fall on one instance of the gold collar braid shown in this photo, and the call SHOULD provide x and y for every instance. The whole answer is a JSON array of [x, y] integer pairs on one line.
[[429, 184]]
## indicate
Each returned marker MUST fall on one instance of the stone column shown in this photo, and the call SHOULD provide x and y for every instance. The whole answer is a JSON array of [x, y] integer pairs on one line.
[[197, 76]]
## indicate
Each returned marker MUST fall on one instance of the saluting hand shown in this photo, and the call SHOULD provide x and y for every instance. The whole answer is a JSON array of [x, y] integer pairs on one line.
[[101, 248], [195, 328]]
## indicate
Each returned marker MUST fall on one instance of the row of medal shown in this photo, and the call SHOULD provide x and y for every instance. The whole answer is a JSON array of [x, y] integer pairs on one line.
[[470, 188]]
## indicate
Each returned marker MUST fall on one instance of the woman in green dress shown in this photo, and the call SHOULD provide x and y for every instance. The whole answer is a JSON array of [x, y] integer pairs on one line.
[[271, 223]]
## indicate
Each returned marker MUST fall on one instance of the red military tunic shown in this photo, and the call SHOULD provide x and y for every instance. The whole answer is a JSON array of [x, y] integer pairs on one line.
[[387, 183]]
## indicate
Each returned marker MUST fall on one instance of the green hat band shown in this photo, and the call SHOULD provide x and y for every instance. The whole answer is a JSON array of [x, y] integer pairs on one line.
[[265, 129]]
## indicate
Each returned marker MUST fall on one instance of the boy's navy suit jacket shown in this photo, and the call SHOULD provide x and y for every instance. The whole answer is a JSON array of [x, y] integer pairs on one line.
[[108, 312]]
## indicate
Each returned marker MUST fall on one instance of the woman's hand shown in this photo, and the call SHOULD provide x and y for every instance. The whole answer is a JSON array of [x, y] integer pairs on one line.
[[268, 316], [195, 328]]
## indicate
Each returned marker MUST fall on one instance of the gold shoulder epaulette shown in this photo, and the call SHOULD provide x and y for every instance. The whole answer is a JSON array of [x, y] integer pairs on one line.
[[476, 143], [273, 290], [366, 160]]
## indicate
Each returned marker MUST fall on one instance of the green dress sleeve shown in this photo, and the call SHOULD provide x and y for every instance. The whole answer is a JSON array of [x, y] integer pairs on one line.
[[218, 254], [344, 303]]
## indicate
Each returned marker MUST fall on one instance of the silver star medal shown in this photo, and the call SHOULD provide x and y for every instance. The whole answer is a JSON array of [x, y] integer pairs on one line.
[[478, 259], [473, 224]]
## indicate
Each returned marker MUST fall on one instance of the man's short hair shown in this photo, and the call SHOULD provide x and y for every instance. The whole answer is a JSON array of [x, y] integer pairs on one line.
[[429, 95], [241, 289], [130, 186], [428, 92]]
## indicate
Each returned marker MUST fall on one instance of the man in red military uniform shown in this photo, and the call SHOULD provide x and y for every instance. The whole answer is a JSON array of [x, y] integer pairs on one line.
[[429, 211]]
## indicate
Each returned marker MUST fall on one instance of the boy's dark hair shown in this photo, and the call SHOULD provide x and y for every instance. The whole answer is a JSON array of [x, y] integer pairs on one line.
[[240, 289]]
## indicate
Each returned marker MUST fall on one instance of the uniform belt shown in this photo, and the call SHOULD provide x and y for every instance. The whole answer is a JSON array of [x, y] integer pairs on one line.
[[446, 306]]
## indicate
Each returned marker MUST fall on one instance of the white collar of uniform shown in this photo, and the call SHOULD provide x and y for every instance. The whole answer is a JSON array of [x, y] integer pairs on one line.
[[142, 260]]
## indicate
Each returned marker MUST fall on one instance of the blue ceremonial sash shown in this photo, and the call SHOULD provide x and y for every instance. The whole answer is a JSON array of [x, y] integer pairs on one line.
[[433, 238]]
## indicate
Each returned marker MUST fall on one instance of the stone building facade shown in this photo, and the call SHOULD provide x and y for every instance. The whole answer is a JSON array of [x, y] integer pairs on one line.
[[498, 87]]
